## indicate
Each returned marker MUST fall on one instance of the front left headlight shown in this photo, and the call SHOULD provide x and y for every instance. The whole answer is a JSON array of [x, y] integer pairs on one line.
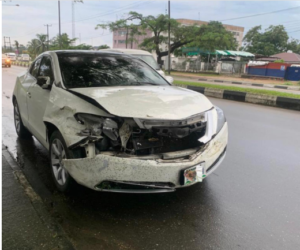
[[221, 119]]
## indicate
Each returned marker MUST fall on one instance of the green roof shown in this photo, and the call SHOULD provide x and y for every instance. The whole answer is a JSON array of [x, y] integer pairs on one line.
[[192, 51]]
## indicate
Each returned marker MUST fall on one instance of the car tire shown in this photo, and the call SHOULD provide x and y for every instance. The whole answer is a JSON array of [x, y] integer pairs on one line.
[[21, 130], [57, 151]]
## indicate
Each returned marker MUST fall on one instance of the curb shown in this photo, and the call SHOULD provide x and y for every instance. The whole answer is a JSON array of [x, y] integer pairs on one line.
[[21, 64], [295, 88], [274, 101], [254, 84], [37, 203]]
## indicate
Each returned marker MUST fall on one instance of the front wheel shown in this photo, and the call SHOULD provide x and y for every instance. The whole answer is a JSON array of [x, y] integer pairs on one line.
[[20, 128], [59, 151]]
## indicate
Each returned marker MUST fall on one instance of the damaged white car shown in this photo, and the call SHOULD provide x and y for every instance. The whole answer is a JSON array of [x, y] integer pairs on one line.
[[112, 123]]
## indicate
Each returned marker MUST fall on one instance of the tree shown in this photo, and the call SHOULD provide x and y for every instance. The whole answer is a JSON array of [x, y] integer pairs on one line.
[[104, 47], [158, 25], [272, 41], [82, 46], [37, 45], [17, 45], [212, 36], [294, 45], [61, 42]]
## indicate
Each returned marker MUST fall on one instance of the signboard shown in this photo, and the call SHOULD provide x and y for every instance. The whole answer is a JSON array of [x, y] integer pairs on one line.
[[282, 67]]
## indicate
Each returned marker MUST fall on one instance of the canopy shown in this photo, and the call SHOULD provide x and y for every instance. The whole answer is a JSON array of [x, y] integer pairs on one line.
[[193, 51], [239, 53]]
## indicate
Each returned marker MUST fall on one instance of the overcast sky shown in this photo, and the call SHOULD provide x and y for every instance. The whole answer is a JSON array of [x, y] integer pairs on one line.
[[23, 22]]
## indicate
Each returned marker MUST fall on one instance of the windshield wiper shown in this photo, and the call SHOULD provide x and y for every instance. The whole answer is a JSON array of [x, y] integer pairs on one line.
[[148, 83]]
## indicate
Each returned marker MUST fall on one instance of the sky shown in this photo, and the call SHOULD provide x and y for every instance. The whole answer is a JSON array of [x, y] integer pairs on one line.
[[23, 22]]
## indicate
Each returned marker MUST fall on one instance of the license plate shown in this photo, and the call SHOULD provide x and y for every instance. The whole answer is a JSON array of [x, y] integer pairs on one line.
[[194, 174]]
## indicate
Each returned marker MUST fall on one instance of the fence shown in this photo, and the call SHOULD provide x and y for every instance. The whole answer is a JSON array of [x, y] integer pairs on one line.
[[230, 67]]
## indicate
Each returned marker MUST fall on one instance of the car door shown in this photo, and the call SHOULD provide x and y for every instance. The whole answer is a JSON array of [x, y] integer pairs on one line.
[[23, 92], [39, 98]]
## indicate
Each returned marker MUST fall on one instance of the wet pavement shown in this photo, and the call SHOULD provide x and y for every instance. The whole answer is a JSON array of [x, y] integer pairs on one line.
[[250, 202]]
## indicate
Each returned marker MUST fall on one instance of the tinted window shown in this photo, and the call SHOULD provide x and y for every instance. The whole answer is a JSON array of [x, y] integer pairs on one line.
[[46, 68], [90, 70], [35, 67]]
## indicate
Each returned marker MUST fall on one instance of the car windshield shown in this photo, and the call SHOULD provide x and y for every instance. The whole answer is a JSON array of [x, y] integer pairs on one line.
[[81, 70], [149, 59]]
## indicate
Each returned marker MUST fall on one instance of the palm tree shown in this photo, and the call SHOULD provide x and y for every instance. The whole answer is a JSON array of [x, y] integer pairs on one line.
[[17, 45], [37, 45]]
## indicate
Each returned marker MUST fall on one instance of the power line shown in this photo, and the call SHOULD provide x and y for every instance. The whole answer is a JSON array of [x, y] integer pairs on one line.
[[266, 13]]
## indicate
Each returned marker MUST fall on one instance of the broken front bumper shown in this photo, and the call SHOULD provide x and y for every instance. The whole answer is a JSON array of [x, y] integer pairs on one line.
[[163, 175]]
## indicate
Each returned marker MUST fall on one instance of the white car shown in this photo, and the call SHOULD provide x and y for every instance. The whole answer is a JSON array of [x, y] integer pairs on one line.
[[11, 56], [145, 56], [112, 123], [24, 58]]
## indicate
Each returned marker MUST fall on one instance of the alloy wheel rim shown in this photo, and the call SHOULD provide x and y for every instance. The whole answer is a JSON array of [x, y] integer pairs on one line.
[[17, 118], [57, 155]]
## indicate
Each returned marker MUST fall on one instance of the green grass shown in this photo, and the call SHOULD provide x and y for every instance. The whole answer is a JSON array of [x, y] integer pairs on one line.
[[248, 90], [193, 73]]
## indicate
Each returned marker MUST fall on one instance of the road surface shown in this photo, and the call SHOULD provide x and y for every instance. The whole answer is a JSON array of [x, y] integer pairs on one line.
[[251, 202]]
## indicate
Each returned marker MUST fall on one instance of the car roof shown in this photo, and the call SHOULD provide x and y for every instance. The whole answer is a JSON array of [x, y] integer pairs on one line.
[[128, 51]]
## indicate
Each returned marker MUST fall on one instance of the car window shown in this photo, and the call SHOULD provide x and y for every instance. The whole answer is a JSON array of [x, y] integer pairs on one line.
[[149, 59], [35, 67], [81, 70], [46, 68]]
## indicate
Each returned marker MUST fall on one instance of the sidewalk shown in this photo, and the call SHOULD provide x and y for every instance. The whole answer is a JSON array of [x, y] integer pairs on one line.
[[25, 222], [241, 82]]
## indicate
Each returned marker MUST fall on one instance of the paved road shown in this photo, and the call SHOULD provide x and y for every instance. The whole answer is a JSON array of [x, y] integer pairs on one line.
[[250, 202]]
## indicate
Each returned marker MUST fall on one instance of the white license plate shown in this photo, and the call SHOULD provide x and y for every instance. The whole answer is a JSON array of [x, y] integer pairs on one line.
[[194, 174]]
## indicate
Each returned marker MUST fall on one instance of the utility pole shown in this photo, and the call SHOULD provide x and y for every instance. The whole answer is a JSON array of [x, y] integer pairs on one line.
[[59, 25], [48, 25], [7, 42], [169, 42]]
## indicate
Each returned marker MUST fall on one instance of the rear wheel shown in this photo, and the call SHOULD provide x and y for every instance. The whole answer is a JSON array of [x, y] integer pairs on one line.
[[20, 128], [59, 151]]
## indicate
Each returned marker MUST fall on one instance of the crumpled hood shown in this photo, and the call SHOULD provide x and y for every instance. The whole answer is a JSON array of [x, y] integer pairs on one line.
[[148, 102]]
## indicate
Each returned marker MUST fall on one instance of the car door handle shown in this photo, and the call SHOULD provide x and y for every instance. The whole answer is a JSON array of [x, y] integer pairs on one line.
[[29, 94]]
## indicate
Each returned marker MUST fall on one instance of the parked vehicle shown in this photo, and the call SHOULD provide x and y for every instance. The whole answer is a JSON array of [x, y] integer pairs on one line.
[[112, 123], [24, 58], [145, 56], [6, 61], [11, 56]]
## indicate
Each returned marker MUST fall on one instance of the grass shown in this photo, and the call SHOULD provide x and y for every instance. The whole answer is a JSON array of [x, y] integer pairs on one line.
[[233, 88], [193, 73]]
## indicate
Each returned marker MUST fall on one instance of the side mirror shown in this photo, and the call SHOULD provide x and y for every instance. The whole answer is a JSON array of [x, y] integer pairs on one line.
[[44, 82], [170, 79]]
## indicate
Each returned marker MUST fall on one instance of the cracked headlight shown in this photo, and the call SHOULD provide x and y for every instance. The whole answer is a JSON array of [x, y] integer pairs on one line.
[[221, 119]]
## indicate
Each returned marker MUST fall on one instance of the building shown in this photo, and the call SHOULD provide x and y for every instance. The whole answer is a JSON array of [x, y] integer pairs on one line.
[[119, 36], [119, 39], [288, 57]]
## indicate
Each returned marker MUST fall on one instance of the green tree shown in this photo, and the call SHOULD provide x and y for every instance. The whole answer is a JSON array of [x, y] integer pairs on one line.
[[272, 41], [214, 36], [37, 45], [82, 46], [61, 42], [158, 25], [294, 45], [104, 46], [17, 46]]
